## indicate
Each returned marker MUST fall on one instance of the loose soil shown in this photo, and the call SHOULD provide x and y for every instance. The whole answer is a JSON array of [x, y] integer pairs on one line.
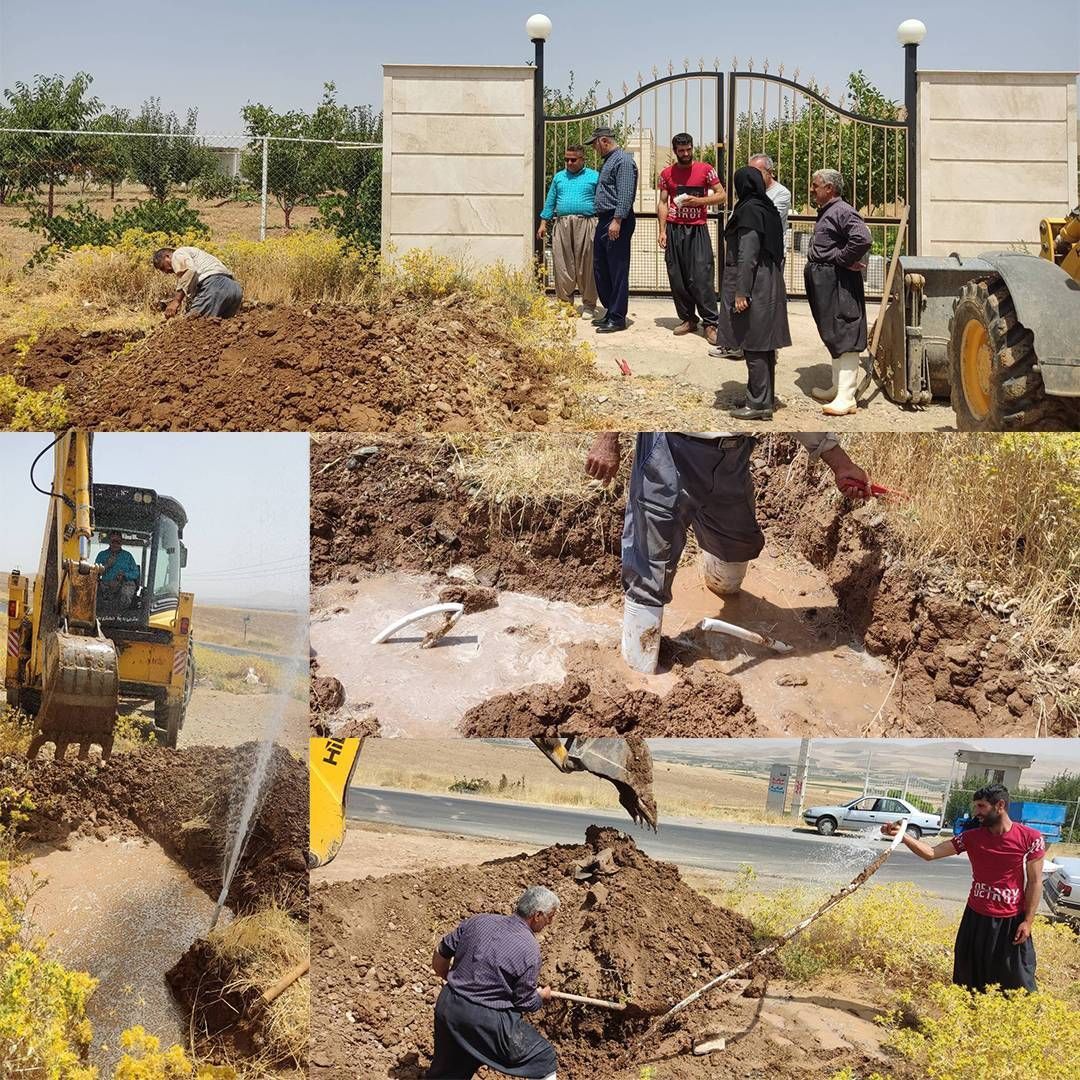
[[183, 799], [404, 508], [639, 934], [280, 367]]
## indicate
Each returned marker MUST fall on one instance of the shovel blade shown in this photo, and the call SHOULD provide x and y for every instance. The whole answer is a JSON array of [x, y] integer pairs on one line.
[[627, 764]]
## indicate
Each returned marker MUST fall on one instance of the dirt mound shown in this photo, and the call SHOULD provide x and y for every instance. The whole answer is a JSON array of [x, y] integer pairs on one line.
[[327, 713], [638, 934], [396, 504], [326, 366], [64, 357], [594, 700], [958, 676], [185, 800]]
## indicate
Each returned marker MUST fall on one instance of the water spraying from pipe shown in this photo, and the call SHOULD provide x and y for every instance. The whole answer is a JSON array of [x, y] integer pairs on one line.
[[240, 825]]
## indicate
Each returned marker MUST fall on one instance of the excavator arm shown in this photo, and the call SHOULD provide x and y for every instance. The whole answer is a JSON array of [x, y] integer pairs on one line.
[[624, 762], [78, 664]]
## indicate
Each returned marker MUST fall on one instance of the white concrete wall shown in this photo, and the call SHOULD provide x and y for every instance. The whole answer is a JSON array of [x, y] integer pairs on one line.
[[457, 161], [997, 153]]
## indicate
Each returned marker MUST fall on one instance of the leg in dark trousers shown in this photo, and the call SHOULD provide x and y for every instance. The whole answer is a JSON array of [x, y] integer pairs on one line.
[[676, 255], [703, 274], [600, 261], [760, 378], [616, 258]]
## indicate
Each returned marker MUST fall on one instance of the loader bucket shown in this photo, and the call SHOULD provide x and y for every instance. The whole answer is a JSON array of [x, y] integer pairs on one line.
[[627, 764], [79, 694]]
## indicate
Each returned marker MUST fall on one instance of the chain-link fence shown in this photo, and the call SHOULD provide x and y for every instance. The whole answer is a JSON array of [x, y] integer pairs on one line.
[[87, 186]]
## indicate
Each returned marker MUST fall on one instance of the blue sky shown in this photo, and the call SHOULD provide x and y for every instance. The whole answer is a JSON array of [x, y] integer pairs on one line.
[[280, 53], [246, 496]]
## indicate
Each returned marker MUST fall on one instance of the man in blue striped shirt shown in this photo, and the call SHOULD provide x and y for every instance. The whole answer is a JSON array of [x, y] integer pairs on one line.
[[571, 200], [615, 194]]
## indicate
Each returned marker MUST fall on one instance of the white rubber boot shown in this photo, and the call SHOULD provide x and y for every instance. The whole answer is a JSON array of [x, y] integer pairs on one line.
[[641, 636], [830, 392], [722, 578], [846, 380]]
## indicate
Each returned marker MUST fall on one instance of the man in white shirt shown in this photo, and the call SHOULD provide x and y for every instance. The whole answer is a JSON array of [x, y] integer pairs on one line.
[[203, 280], [699, 480], [776, 191]]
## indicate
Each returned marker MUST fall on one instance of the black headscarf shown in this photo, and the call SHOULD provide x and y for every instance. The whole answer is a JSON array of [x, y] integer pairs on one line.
[[755, 210]]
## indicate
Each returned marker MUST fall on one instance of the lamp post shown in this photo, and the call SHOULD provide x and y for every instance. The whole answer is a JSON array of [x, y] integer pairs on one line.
[[910, 33], [538, 27]]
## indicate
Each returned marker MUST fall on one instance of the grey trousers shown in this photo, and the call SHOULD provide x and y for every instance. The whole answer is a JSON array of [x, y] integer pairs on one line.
[[572, 255], [691, 272], [217, 295], [679, 482]]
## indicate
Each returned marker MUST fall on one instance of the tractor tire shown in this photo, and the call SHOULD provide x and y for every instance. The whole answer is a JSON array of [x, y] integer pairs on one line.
[[826, 826], [169, 719], [994, 380]]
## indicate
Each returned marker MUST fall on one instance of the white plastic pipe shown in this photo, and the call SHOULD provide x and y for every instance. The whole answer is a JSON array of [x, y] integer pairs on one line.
[[450, 612], [718, 626]]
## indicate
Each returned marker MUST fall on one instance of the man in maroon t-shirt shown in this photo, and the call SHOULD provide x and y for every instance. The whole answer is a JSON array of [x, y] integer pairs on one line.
[[993, 944], [687, 189]]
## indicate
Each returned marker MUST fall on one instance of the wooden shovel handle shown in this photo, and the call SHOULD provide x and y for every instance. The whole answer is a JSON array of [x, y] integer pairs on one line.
[[588, 1000], [283, 984]]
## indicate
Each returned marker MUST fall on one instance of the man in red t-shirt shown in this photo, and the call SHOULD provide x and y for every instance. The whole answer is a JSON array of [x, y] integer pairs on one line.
[[687, 189], [993, 944]]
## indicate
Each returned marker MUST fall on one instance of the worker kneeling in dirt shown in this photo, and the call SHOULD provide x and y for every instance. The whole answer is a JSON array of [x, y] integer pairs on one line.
[[700, 479], [203, 280], [492, 981]]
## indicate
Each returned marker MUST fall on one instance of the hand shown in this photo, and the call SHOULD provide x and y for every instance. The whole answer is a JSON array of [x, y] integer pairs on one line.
[[891, 828], [850, 479], [614, 229], [1023, 932], [692, 200], [741, 304], [859, 266], [603, 461], [542, 231], [172, 309], [661, 239], [545, 993]]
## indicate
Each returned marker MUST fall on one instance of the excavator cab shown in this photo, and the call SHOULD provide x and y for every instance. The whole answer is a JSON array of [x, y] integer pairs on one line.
[[137, 542]]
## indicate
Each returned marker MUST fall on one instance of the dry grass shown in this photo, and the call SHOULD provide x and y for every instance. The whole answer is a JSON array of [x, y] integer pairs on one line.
[[1003, 510], [259, 950], [267, 631]]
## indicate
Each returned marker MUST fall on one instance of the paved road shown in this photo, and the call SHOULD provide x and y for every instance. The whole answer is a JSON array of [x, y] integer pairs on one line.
[[778, 854], [234, 650]]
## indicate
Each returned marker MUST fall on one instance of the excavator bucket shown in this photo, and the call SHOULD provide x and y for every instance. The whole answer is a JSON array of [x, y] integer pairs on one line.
[[332, 763], [626, 763], [79, 694]]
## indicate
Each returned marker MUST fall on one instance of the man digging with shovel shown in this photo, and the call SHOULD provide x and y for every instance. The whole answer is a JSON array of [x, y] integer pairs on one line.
[[491, 964], [699, 479]]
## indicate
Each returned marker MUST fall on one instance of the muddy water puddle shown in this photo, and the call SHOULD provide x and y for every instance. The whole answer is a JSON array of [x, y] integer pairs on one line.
[[123, 911], [425, 692], [827, 681]]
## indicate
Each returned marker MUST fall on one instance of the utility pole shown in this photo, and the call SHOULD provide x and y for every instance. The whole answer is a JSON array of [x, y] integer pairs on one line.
[[802, 776]]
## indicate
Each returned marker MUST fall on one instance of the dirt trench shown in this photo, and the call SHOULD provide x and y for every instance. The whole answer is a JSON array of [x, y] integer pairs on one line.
[[394, 504], [636, 933], [181, 799], [285, 367]]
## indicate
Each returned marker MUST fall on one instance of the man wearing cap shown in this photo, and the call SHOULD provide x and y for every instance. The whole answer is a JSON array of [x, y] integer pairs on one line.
[[698, 479], [120, 573], [571, 201], [615, 193]]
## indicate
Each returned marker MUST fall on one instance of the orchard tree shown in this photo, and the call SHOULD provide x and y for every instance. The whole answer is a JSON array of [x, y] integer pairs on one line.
[[53, 107], [291, 166], [111, 158], [170, 159], [11, 158]]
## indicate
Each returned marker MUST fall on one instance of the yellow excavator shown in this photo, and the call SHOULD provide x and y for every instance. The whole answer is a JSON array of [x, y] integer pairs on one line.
[[999, 335], [626, 763], [104, 618]]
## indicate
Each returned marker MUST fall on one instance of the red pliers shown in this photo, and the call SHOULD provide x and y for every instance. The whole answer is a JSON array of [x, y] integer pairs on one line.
[[624, 367]]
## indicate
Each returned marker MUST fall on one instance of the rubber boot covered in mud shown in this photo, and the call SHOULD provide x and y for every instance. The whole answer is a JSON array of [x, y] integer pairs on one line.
[[641, 636], [722, 578]]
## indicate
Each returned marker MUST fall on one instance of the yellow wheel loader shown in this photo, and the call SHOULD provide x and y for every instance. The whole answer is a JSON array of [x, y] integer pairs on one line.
[[625, 763], [104, 618], [999, 335]]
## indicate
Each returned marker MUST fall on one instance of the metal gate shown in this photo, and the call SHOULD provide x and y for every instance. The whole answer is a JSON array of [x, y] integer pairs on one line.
[[732, 115]]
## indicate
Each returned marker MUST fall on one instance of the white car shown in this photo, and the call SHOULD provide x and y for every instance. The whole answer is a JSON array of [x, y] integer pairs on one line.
[[869, 811], [1061, 886]]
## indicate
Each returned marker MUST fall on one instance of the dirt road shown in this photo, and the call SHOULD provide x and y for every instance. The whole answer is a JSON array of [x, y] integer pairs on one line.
[[217, 718]]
